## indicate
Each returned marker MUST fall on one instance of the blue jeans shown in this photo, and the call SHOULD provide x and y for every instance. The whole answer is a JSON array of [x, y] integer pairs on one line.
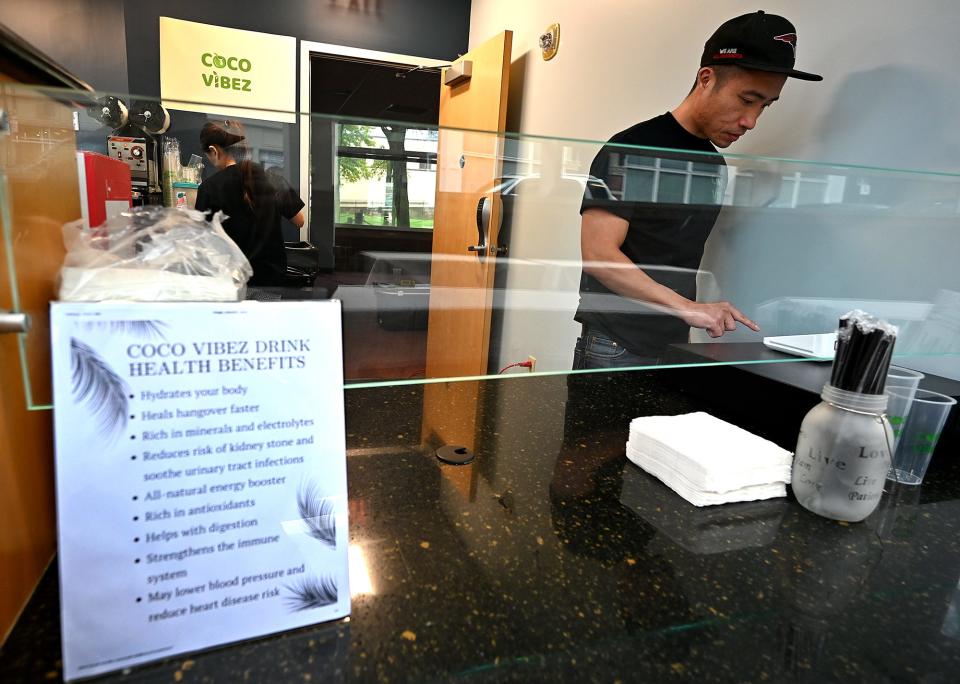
[[596, 350]]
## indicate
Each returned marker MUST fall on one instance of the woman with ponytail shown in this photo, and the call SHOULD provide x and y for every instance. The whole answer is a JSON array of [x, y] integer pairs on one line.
[[253, 206]]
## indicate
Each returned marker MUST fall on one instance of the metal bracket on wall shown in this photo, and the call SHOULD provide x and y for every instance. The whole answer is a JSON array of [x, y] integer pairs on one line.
[[13, 322]]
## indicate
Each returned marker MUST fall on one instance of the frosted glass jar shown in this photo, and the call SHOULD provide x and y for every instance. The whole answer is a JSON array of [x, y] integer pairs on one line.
[[843, 454]]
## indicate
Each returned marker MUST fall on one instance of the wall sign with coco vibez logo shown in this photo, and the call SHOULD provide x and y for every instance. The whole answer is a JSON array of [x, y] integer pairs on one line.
[[225, 81], [229, 72], [201, 475]]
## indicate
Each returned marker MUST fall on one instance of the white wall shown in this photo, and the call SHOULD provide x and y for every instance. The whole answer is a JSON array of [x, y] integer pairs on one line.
[[890, 94]]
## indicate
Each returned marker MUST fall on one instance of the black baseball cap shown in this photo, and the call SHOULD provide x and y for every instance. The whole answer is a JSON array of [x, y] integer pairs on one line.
[[761, 41]]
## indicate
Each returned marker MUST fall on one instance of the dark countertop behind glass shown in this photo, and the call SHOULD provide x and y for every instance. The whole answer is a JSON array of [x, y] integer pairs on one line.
[[550, 557], [785, 368]]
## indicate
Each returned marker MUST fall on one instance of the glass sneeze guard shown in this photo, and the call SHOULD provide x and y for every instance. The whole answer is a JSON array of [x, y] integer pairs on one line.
[[456, 254]]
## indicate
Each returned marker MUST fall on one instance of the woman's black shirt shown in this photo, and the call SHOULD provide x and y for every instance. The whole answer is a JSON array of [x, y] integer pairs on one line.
[[252, 222]]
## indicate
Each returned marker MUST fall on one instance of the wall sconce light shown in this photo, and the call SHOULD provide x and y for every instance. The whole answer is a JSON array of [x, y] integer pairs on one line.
[[550, 42]]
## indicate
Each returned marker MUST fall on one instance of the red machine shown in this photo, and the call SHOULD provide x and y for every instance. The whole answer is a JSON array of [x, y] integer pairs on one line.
[[104, 187]]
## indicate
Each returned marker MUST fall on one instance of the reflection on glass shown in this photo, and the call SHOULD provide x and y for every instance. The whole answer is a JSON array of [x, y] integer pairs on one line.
[[639, 178], [897, 514], [935, 336], [706, 530], [824, 585], [951, 621]]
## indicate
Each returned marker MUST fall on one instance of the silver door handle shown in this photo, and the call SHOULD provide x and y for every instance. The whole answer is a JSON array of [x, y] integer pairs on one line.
[[14, 322], [484, 209]]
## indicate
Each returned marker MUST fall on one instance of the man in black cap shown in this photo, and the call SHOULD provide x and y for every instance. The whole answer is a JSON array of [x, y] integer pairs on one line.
[[646, 215]]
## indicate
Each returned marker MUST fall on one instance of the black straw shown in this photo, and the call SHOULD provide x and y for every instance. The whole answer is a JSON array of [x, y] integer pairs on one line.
[[863, 355]]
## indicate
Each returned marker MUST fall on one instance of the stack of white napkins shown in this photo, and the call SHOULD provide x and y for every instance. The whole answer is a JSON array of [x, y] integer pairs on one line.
[[709, 461]]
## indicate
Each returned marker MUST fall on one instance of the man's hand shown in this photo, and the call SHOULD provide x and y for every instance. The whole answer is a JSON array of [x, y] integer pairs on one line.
[[715, 317]]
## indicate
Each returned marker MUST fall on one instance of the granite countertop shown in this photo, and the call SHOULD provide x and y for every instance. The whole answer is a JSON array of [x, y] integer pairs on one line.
[[550, 557]]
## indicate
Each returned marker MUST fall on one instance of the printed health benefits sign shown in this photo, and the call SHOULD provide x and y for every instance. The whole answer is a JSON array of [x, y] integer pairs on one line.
[[201, 475], [248, 74]]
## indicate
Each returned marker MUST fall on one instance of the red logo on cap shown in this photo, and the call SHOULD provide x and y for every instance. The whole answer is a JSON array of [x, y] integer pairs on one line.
[[789, 38]]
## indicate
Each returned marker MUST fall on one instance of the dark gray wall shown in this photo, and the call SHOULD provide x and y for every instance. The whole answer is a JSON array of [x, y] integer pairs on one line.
[[114, 45], [425, 28], [86, 37]]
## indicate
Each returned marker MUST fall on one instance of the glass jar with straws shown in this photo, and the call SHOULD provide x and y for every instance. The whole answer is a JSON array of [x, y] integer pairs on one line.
[[844, 447]]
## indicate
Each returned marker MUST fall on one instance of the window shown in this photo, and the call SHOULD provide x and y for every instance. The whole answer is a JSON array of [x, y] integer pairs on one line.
[[386, 176]]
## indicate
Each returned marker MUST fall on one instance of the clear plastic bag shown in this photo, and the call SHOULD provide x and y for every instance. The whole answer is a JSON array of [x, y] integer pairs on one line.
[[153, 254]]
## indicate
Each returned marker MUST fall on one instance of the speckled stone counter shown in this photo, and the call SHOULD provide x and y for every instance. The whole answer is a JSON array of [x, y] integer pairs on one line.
[[550, 557]]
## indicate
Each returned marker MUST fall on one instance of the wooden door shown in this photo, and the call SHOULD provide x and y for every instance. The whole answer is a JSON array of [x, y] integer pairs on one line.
[[468, 169], [472, 113], [38, 175]]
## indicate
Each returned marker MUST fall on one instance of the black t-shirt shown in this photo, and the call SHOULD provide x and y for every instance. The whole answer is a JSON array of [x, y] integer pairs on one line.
[[253, 221], [671, 201]]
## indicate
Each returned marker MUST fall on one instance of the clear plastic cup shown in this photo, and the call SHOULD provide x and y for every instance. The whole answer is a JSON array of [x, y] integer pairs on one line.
[[928, 411], [898, 405], [903, 377]]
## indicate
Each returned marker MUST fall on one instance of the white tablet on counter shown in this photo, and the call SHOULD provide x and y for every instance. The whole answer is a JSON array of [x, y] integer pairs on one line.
[[819, 346]]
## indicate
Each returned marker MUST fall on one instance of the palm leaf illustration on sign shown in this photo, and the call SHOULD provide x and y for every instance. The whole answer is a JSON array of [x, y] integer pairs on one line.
[[147, 330], [318, 514], [96, 383], [311, 592]]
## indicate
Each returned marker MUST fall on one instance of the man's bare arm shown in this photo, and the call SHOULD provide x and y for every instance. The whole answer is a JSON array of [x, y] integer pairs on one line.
[[601, 237]]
